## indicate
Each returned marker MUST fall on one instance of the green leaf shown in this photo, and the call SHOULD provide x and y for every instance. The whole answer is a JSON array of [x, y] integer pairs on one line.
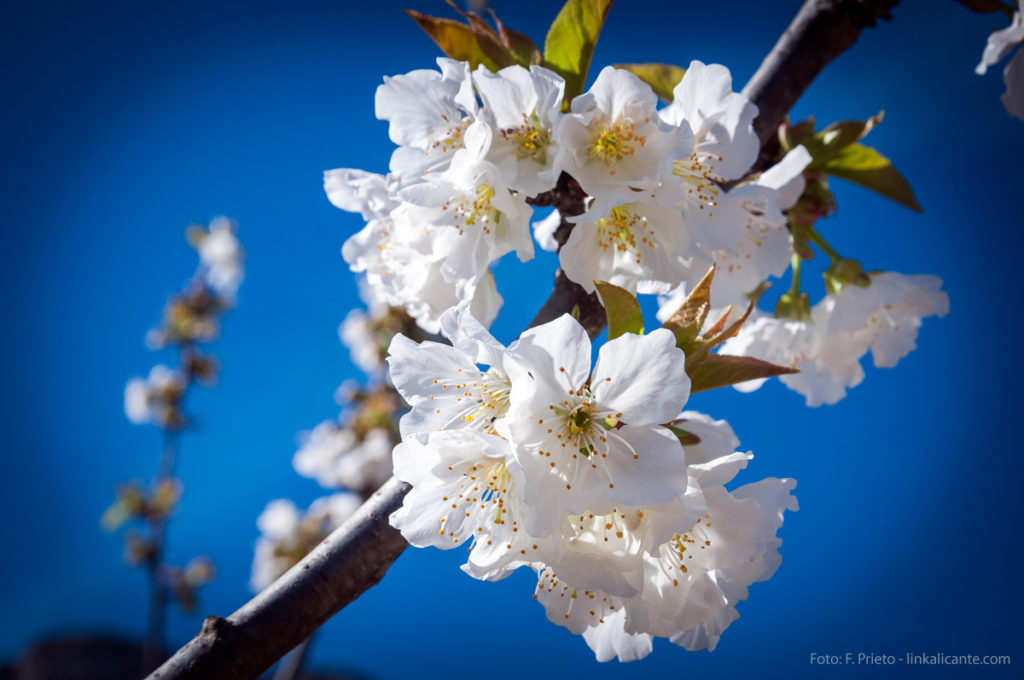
[[828, 143], [688, 320], [720, 370], [662, 78], [456, 40], [792, 134], [622, 309], [865, 166], [571, 39]]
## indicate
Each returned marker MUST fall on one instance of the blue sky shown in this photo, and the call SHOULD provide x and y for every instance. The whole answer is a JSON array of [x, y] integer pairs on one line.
[[125, 122]]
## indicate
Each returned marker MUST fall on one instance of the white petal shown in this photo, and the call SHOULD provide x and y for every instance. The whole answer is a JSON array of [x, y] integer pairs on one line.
[[646, 465], [643, 377], [609, 640], [557, 352]]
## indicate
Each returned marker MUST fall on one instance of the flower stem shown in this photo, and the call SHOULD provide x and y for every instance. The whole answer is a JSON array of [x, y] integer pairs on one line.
[[797, 262], [814, 237]]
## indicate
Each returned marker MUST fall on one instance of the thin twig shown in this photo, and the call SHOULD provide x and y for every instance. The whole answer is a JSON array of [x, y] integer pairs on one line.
[[153, 650]]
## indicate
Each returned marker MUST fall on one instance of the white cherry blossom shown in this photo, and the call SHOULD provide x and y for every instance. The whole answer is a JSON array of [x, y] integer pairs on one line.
[[466, 490], [798, 344], [428, 114], [613, 141], [398, 273], [885, 316], [523, 107], [724, 142], [827, 348], [154, 399], [692, 584], [465, 217], [445, 384], [743, 231], [221, 256], [637, 246], [585, 437], [1000, 43]]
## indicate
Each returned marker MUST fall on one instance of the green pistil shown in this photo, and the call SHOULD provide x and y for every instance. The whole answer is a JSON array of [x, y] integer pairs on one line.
[[578, 421], [618, 227]]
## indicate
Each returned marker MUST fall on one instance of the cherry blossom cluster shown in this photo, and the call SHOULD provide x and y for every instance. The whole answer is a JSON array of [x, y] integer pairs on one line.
[[592, 476], [477, 148], [193, 314], [669, 193]]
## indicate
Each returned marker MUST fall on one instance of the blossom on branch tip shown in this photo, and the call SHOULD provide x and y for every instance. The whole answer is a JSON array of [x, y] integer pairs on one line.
[[222, 257], [882, 317], [428, 113], [724, 142]]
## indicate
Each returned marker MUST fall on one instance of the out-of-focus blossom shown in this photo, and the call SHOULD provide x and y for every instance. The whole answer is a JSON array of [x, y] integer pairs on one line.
[[287, 535], [156, 399]]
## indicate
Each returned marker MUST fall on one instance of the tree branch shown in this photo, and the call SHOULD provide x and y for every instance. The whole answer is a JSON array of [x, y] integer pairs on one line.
[[357, 554], [820, 32], [349, 561]]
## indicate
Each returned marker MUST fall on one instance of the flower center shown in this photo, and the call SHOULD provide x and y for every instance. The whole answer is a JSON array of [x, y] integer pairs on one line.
[[488, 399], [480, 499], [479, 211], [530, 139], [614, 141], [700, 182], [687, 545], [620, 229], [581, 425], [452, 136]]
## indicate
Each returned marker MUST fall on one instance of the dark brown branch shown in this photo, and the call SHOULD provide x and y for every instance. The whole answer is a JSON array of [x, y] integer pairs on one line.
[[356, 555], [820, 32], [567, 297], [348, 562]]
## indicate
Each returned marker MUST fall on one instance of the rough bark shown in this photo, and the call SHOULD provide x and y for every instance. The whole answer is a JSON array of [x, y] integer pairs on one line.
[[356, 556]]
